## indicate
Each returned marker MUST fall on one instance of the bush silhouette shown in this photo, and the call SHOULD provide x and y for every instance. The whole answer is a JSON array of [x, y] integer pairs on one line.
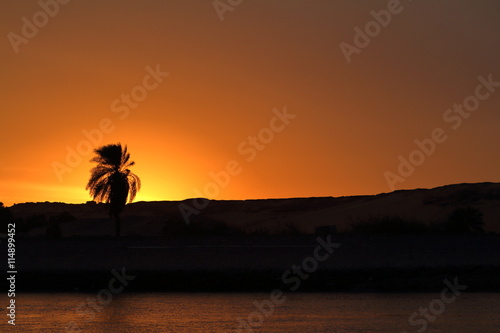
[[199, 225], [389, 225], [465, 220], [5, 215], [54, 230]]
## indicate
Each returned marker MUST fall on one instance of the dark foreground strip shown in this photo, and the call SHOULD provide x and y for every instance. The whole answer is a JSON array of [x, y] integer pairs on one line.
[[423, 279]]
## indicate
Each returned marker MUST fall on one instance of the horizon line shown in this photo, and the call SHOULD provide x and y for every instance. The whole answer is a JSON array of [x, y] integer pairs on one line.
[[255, 199]]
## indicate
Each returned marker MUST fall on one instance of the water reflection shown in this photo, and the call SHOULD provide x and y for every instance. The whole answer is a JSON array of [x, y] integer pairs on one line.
[[178, 312]]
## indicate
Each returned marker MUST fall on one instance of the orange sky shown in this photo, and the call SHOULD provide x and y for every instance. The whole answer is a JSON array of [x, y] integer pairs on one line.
[[225, 78]]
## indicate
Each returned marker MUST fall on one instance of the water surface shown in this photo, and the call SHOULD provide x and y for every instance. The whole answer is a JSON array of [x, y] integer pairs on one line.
[[219, 312]]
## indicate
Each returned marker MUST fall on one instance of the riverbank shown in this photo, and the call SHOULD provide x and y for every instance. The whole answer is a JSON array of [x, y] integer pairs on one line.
[[422, 279], [339, 262]]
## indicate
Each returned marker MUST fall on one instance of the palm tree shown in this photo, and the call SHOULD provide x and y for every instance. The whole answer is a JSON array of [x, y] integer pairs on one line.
[[111, 181]]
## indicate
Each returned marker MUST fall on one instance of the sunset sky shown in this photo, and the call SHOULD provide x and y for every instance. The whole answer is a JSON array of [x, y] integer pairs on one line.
[[349, 121]]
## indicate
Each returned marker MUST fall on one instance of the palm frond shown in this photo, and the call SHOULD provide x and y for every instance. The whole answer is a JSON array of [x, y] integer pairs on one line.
[[111, 180], [134, 185]]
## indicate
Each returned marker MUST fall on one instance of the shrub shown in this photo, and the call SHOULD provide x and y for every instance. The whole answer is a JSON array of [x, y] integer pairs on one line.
[[199, 225], [389, 225], [465, 220]]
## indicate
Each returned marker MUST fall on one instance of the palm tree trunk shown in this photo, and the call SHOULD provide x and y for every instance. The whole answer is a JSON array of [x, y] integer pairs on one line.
[[117, 225]]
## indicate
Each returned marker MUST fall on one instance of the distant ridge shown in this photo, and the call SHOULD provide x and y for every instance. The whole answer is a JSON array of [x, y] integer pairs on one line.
[[148, 218]]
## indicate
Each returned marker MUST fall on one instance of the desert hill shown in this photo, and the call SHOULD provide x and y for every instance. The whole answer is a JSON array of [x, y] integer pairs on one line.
[[274, 215], [216, 262]]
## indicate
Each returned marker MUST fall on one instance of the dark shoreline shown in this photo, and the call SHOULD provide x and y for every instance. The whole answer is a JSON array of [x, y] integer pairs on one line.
[[423, 279], [361, 263]]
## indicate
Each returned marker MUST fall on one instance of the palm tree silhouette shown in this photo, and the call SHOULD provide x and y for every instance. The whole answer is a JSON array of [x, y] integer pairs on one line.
[[111, 181]]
